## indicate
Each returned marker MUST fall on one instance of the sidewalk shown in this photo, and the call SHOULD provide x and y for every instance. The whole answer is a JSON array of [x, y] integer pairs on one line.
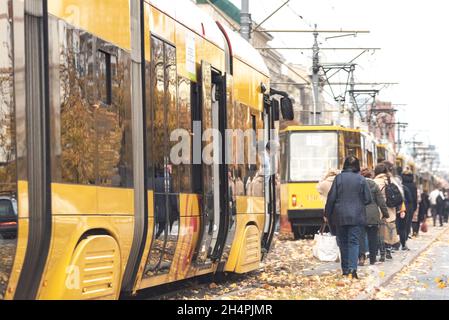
[[382, 274], [379, 275]]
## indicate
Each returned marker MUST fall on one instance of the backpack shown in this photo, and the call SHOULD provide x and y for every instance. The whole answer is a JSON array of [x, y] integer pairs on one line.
[[393, 196]]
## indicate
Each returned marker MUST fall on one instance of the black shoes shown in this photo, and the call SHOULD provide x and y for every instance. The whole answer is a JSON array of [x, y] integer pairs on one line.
[[362, 259], [382, 258], [405, 248], [353, 274], [389, 256]]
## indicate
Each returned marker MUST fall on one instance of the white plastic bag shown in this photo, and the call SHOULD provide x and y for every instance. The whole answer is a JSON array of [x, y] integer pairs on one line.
[[326, 248]]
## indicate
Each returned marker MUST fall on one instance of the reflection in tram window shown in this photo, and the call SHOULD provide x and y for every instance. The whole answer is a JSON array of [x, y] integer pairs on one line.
[[113, 121], [158, 98], [185, 122], [8, 158], [95, 110], [164, 85]]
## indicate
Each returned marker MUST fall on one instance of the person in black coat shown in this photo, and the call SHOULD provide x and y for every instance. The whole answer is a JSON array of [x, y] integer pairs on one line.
[[408, 181], [346, 209], [401, 223], [424, 206]]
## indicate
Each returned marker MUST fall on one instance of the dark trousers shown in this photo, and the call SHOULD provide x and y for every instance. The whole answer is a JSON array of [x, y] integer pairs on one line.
[[415, 227], [435, 212], [373, 239], [363, 241], [380, 237], [408, 226], [348, 240], [401, 226]]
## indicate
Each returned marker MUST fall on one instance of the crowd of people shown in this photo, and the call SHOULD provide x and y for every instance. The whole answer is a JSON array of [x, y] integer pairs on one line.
[[374, 213]]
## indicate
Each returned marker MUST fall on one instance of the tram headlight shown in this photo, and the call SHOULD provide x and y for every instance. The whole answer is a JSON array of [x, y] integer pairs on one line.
[[294, 200]]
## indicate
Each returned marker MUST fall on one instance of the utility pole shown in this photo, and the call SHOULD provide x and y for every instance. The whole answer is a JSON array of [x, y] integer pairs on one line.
[[353, 103], [315, 75], [245, 21], [401, 125]]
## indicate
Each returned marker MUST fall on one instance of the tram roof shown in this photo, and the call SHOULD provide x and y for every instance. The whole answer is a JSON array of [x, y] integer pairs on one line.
[[319, 128], [188, 14]]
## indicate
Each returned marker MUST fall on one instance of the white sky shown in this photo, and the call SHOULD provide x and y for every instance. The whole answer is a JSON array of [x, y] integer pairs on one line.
[[413, 38]]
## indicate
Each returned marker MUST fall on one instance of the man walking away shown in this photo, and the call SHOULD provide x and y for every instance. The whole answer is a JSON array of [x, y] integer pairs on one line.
[[345, 208], [433, 205]]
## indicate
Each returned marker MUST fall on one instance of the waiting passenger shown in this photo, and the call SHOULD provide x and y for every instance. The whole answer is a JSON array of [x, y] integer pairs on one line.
[[388, 232], [345, 208], [376, 213], [324, 186]]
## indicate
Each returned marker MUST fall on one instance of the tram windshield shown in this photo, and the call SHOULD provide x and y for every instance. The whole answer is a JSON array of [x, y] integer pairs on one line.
[[312, 154]]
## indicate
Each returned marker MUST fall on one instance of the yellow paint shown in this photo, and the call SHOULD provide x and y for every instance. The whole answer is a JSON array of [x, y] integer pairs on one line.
[[247, 85], [236, 259], [161, 25], [250, 250], [22, 241], [69, 199], [110, 22], [94, 271], [115, 201], [245, 204], [189, 205], [66, 233], [319, 128], [306, 194]]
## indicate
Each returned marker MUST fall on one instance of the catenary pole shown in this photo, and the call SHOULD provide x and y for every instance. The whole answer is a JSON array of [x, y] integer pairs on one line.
[[245, 20]]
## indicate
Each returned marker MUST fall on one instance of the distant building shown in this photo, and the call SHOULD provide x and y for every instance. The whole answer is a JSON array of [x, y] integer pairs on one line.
[[383, 126]]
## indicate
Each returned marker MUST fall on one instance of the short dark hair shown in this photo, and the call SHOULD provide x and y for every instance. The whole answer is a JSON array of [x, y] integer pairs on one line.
[[366, 172], [390, 167], [381, 168], [352, 163]]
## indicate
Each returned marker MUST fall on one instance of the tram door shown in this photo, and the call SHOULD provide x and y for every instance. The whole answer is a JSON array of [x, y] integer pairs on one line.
[[214, 217], [166, 175], [8, 169]]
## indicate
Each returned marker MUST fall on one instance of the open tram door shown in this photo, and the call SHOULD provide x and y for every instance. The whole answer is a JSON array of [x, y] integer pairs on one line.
[[216, 223], [272, 111]]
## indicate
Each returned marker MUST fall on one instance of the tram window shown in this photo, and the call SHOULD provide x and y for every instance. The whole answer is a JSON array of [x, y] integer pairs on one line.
[[105, 76], [196, 116], [185, 123], [76, 105], [113, 124], [172, 108], [312, 154], [95, 110]]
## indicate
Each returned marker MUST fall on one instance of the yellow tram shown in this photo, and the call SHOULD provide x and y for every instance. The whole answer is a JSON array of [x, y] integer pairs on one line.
[[307, 154], [96, 212]]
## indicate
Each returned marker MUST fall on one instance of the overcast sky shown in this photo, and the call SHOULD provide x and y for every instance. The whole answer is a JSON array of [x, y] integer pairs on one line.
[[414, 42]]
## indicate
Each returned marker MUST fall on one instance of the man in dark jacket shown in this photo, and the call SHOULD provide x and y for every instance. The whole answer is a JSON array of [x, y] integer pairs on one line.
[[345, 208], [408, 181]]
